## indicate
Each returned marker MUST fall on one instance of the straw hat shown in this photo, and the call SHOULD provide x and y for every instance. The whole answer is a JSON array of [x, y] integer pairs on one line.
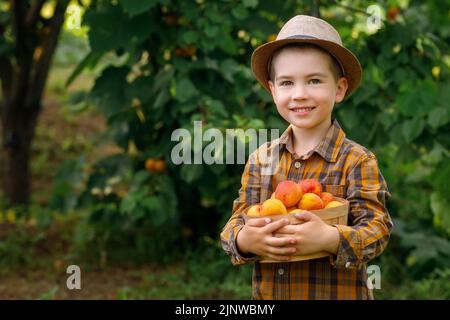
[[307, 29]]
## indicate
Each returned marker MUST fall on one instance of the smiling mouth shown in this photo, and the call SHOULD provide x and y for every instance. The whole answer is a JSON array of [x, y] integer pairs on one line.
[[302, 109]]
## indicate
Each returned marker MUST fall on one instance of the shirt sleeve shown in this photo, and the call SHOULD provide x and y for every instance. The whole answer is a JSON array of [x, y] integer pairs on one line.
[[370, 225], [249, 194]]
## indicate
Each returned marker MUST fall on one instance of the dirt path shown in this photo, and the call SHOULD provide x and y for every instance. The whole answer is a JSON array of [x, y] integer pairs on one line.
[[105, 284]]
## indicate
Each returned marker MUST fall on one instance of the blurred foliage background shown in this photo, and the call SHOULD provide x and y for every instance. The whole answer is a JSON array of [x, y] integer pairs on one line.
[[127, 73]]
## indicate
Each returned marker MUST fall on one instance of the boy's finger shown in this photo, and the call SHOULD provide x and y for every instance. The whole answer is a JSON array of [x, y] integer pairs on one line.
[[304, 216], [258, 222], [287, 229], [282, 251], [271, 227], [281, 241]]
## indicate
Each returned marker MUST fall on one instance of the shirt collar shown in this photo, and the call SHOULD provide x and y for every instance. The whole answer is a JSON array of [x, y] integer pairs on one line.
[[328, 148]]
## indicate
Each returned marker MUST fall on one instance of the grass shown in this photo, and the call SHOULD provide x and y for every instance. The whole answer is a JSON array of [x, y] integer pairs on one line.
[[35, 254]]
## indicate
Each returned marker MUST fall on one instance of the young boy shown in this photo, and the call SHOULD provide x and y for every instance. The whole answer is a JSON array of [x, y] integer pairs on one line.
[[307, 71]]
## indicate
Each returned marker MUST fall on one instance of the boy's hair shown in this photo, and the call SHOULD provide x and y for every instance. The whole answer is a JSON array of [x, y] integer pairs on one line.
[[335, 66]]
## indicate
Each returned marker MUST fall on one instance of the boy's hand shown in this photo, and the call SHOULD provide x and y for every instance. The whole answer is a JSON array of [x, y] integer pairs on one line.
[[257, 237], [313, 234]]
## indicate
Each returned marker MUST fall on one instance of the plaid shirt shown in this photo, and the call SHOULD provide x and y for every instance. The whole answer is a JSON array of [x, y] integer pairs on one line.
[[345, 169]]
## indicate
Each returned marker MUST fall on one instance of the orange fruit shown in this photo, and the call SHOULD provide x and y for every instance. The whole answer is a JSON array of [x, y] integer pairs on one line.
[[150, 165], [160, 165], [333, 204]]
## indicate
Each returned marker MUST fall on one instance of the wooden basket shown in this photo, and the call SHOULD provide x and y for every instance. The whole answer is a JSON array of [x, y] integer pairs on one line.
[[336, 215]]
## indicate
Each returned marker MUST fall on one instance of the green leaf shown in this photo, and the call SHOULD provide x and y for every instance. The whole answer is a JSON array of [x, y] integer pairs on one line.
[[186, 108], [417, 99], [240, 12], [441, 177], [162, 79], [227, 44], [152, 204], [229, 68], [428, 93], [89, 62], [250, 3], [140, 178], [185, 90], [212, 31], [108, 92], [439, 207], [189, 37], [111, 29], [438, 117], [140, 88], [167, 192], [161, 99], [128, 204], [216, 107], [68, 179], [411, 129], [348, 117], [407, 103], [191, 172], [134, 7]]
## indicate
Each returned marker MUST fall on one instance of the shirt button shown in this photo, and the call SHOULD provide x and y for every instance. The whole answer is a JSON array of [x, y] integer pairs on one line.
[[348, 264], [297, 164], [281, 271]]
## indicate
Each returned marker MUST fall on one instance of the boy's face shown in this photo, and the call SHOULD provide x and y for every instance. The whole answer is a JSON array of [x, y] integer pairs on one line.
[[303, 79]]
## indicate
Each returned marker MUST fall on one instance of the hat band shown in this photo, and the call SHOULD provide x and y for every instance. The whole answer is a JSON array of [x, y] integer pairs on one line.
[[301, 36], [304, 36]]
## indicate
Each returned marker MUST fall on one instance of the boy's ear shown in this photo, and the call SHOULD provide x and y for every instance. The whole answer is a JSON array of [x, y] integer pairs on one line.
[[341, 89], [272, 89]]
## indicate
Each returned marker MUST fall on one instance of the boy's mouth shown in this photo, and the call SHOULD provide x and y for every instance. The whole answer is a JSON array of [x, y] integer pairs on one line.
[[302, 110]]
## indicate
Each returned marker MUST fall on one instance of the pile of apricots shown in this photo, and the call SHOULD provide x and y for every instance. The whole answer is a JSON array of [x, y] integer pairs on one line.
[[293, 197]]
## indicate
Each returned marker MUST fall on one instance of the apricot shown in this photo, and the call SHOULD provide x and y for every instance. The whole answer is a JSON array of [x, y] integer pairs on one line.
[[333, 204], [290, 209], [311, 186], [311, 201], [254, 211], [289, 193], [155, 165], [150, 164], [326, 198], [272, 207], [296, 210], [160, 165], [187, 51]]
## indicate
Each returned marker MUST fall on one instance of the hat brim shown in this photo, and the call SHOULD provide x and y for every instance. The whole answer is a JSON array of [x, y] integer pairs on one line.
[[349, 63]]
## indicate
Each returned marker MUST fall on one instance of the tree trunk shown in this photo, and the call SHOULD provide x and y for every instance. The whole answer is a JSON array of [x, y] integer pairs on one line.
[[23, 77], [315, 8], [18, 132]]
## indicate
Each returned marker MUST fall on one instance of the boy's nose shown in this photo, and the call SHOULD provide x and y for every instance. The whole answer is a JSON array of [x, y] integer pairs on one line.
[[300, 92]]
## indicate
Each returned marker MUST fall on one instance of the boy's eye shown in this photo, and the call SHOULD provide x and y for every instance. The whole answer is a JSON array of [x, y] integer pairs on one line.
[[285, 83], [315, 81]]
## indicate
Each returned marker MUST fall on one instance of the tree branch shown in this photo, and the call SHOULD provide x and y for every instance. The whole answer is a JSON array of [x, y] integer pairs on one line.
[[350, 8], [23, 52], [6, 71], [43, 61], [34, 13], [315, 9], [19, 28]]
